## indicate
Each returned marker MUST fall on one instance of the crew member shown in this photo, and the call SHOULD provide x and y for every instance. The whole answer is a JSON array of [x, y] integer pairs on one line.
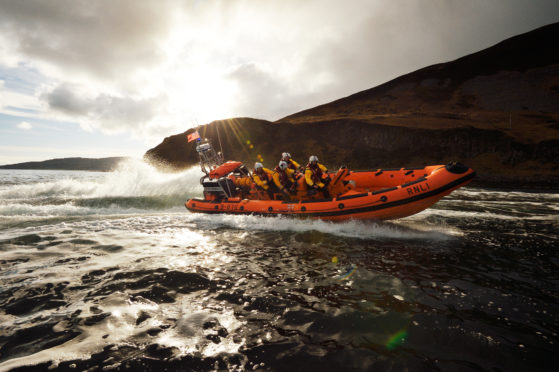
[[242, 180], [262, 178], [284, 179], [316, 176], [291, 164]]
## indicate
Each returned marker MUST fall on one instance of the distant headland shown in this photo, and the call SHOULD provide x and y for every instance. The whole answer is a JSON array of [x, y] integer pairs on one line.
[[86, 164]]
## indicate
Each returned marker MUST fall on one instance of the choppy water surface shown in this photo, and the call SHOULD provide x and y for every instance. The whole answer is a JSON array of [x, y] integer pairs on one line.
[[106, 271]]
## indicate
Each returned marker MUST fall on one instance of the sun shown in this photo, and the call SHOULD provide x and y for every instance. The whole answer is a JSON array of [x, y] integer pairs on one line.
[[195, 74], [200, 93]]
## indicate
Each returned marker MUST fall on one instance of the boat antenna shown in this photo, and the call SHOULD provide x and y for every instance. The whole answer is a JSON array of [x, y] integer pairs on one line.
[[219, 139]]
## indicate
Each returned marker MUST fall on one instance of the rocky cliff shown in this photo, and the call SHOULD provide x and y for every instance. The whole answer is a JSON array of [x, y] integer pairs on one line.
[[496, 110]]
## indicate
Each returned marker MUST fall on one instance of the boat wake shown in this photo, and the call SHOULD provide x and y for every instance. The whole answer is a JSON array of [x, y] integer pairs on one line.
[[135, 187], [350, 229], [131, 178]]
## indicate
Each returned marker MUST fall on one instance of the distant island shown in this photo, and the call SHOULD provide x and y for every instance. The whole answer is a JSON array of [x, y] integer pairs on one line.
[[496, 110], [86, 164]]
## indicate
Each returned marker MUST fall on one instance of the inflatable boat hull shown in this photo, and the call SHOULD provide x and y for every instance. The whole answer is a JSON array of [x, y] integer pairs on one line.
[[378, 195]]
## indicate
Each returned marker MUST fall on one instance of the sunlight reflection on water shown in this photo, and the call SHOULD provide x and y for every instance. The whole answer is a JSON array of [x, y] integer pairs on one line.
[[144, 288]]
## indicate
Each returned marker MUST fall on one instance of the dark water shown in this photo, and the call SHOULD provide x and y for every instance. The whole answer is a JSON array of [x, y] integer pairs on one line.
[[110, 272]]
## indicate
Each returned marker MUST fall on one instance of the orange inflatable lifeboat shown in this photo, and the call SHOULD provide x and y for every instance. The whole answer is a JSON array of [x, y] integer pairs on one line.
[[382, 194]]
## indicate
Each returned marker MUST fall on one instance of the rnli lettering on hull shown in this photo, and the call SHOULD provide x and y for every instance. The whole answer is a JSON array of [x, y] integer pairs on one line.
[[418, 189]]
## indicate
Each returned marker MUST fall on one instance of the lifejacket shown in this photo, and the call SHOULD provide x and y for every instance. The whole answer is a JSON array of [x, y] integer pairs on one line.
[[316, 173], [242, 181], [283, 178], [282, 175], [262, 179]]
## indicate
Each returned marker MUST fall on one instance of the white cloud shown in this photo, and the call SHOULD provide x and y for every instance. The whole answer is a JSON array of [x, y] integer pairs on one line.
[[24, 125], [259, 93], [103, 40], [14, 99], [110, 113]]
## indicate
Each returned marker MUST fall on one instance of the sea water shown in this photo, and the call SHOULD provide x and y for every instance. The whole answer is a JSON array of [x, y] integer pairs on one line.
[[106, 271]]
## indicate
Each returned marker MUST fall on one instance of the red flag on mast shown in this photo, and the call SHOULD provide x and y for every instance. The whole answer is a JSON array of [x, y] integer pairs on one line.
[[193, 136]]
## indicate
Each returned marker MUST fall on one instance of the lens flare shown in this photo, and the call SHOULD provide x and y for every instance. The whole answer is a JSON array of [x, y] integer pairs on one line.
[[396, 340], [349, 273]]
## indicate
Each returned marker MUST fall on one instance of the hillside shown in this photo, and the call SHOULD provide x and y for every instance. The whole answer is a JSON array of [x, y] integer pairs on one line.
[[512, 87], [103, 164], [496, 110]]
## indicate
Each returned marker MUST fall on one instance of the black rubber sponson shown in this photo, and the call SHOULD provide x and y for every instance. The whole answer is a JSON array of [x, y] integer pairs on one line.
[[456, 168]]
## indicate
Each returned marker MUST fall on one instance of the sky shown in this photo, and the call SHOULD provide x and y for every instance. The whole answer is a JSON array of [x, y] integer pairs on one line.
[[113, 78]]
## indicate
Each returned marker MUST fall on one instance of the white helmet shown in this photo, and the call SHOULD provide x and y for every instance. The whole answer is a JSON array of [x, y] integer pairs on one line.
[[283, 165], [285, 156], [258, 166], [313, 158]]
